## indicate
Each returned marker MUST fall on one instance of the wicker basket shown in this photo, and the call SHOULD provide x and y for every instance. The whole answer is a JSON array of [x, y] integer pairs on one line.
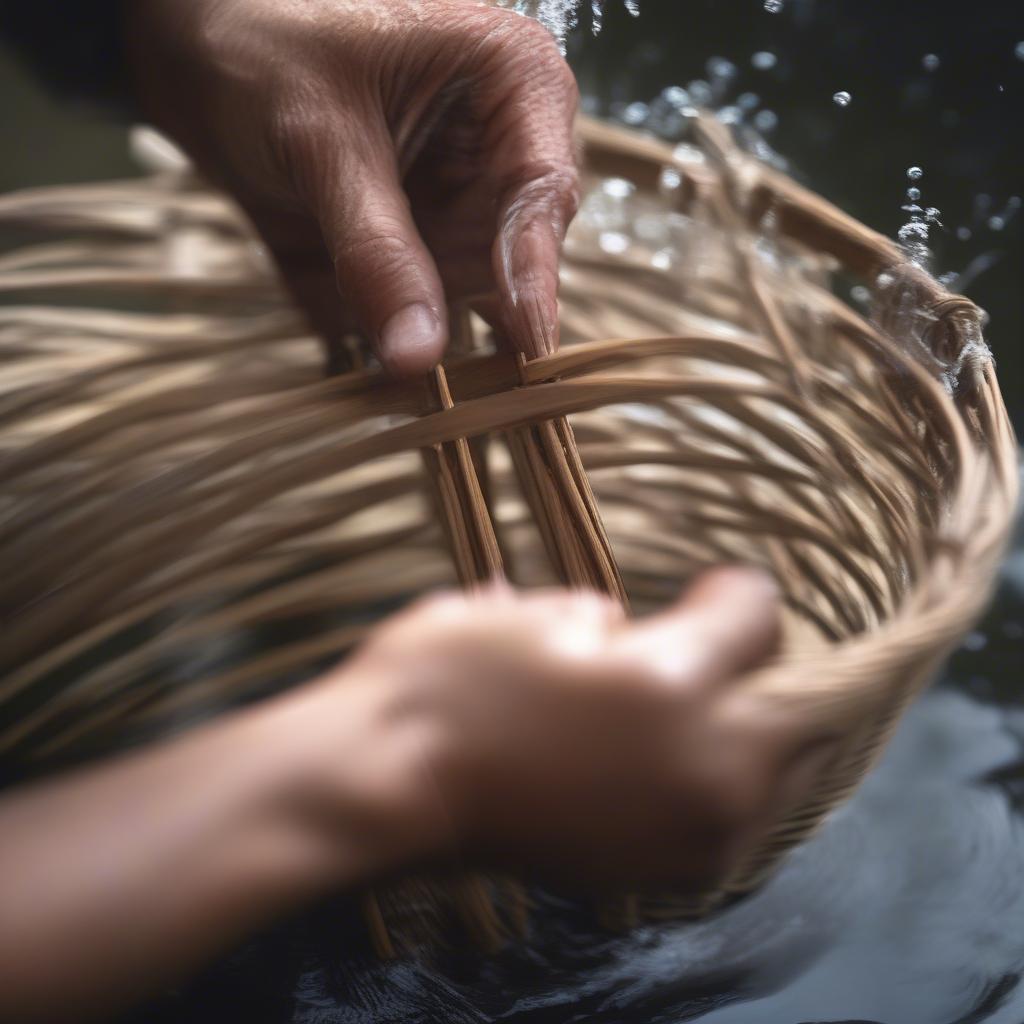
[[194, 516]]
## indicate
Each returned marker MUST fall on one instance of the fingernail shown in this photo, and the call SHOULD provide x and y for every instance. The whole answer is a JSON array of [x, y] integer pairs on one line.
[[540, 322], [535, 269], [411, 340]]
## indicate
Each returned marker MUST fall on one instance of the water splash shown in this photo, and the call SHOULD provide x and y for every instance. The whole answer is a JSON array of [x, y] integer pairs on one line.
[[560, 17], [914, 235]]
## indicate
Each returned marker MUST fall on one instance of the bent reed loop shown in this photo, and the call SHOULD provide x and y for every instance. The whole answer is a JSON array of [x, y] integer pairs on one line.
[[194, 515]]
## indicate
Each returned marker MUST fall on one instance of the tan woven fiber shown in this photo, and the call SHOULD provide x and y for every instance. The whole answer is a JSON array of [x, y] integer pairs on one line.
[[194, 515]]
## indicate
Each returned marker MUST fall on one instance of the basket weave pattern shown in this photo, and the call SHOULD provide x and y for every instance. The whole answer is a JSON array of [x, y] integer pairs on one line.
[[191, 523]]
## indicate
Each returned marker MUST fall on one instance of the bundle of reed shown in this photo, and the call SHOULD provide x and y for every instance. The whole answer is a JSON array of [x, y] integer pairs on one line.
[[195, 515]]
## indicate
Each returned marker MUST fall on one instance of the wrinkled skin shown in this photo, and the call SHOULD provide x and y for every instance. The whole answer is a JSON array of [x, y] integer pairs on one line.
[[406, 153]]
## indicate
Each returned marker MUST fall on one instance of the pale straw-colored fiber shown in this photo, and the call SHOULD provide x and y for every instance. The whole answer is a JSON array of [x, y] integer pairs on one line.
[[193, 514]]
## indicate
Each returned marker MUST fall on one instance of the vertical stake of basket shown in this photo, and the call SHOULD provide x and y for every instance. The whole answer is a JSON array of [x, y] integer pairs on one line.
[[556, 487], [455, 482]]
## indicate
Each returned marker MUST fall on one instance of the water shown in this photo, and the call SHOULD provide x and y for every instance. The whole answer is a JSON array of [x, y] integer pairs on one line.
[[842, 99], [560, 17]]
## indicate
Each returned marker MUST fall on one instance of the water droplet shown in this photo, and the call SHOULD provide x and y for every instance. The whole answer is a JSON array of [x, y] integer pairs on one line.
[[842, 99], [913, 194], [996, 223], [773, 6], [1009, 211], [618, 188], [636, 113], [764, 60], [676, 95], [860, 294], [963, 233], [915, 173], [662, 259], [719, 67], [559, 17], [766, 121], [930, 62], [700, 92], [1018, 50], [933, 214], [670, 179], [975, 641], [913, 231], [748, 100], [614, 242], [730, 115]]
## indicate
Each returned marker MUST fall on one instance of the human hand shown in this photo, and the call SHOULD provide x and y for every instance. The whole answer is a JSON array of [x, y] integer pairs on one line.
[[550, 732], [540, 731], [397, 150]]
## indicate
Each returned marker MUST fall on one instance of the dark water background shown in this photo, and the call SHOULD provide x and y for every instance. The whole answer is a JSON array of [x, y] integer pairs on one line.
[[908, 908]]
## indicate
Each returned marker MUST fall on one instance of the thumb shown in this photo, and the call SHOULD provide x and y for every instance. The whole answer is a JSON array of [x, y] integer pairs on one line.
[[725, 624], [383, 268]]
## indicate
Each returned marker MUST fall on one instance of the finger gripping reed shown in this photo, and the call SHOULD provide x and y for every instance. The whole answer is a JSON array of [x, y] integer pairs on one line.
[[194, 515]]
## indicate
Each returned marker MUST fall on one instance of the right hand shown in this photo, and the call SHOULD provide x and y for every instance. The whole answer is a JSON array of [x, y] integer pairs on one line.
[[547, 731], [406, 154]]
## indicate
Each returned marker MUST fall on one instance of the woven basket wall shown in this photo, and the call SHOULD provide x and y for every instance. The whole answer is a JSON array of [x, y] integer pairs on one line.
[[193, 515]]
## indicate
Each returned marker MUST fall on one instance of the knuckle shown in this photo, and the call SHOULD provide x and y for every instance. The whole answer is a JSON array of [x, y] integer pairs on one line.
[[539, 40], [551, 188], [523, 48]]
